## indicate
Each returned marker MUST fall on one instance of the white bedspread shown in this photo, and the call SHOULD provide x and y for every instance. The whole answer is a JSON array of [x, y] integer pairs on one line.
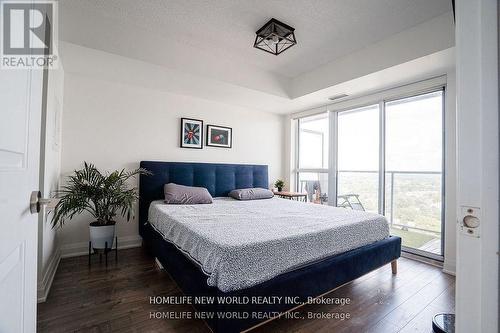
[[239, 244]]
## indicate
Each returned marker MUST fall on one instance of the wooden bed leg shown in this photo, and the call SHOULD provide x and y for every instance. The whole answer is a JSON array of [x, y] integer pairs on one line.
[[394, 266]]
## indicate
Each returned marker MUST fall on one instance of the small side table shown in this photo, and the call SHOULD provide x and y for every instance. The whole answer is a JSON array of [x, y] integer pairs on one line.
[[291, 195]]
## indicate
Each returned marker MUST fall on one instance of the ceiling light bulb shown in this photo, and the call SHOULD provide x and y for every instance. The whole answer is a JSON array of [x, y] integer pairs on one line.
[[270, 42]]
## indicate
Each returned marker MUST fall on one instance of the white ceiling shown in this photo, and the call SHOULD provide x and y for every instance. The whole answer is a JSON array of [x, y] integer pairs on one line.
[[225, 29], [205, 48]]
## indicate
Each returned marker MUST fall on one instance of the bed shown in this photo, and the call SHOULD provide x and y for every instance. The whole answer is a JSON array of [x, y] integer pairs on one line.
[[249, 249]]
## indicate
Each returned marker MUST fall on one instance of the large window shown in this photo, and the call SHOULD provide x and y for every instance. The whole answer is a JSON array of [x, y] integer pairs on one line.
[[387, 158], [358, 158], [313, 142], [312, 173]]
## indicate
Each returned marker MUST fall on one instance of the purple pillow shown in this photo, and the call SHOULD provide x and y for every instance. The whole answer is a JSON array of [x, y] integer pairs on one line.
[[251, 194], [186, 195]]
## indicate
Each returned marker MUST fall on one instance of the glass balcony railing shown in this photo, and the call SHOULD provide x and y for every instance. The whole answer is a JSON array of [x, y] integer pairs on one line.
[[413, 201]]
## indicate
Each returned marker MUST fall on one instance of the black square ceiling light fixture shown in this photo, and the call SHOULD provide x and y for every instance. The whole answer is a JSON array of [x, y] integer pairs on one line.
[[275, 37]]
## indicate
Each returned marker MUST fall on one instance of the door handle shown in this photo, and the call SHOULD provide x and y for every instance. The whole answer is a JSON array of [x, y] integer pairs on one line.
[[36, 202]]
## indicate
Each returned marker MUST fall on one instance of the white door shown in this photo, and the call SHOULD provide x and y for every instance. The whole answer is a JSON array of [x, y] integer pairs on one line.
[[20, 119]]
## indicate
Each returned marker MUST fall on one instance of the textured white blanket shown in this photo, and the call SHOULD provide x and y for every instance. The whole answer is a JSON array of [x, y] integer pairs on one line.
[[239, 244]]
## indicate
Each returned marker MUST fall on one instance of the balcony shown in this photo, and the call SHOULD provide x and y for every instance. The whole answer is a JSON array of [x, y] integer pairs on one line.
[[413, 201]]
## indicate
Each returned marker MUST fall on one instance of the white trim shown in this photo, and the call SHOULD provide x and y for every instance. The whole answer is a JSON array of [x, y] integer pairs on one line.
[[45, 283], [312, 170], [381, 158], [292, 142], [82, 248], [449, 272], [411, 89], [477, 301], [310, 112], [450, 176], [332, 156], [449, 267], [158, 264], [425, 260], [416, 88]]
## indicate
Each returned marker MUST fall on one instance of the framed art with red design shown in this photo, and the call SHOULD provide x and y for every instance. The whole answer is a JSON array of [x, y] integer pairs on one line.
[[219, 136], [191, 133]]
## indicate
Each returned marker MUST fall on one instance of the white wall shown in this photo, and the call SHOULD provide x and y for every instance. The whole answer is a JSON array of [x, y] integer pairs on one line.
[[478, 164], [50, 167], [116, 125]]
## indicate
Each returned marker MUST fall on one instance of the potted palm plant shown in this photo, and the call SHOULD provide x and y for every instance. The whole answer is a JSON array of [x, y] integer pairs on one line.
[[103, 196], [279, 184]]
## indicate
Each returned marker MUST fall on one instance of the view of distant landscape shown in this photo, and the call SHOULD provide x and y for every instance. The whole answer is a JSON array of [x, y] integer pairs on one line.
[[412, 201], [415, 209]]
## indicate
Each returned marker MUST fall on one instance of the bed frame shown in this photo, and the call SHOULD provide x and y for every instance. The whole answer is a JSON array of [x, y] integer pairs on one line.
[[313, 280]]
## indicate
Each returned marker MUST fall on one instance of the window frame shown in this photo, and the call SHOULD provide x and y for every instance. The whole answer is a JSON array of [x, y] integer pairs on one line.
[[297, 168], [381, 98]]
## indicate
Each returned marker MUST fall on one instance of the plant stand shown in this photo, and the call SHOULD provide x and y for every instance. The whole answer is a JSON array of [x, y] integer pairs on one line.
[[105, 251]]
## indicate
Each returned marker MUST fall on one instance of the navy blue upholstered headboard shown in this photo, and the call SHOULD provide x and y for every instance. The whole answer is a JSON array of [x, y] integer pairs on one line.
[[218, 179]]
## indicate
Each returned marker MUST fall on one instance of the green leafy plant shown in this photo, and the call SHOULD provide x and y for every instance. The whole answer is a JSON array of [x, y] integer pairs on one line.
[[279, 184], [102, 195]]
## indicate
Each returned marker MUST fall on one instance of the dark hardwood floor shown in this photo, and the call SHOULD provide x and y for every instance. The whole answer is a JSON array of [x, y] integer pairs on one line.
[[116, 299]]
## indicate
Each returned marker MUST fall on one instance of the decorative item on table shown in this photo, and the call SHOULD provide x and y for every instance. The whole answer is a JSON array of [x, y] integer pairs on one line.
[[279, 184], [219, 136], [191, 133], [101, 195]]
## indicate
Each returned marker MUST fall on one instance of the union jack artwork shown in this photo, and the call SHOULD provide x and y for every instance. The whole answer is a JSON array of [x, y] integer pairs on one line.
[[191, 133]]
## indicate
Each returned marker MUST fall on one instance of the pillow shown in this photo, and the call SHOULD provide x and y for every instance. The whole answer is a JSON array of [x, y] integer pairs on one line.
[[251, 194], [186, 195]]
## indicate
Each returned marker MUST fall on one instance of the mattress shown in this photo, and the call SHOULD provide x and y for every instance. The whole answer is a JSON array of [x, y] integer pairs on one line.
[[239, 244]]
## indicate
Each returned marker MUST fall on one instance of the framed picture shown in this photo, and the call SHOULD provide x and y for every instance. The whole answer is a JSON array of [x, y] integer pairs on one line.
[[219, 136], [191, 133]]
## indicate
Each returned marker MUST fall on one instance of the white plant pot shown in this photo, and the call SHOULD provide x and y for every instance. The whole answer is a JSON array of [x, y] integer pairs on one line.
[[100, 234]]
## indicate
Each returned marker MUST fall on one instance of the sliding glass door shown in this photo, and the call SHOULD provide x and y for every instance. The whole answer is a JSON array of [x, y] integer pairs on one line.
[[387, 158], [413, 170]]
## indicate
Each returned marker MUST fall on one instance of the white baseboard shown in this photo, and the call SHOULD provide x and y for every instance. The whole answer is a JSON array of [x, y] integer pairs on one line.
[[449, 267], [74, 250], [45, 283], [158, 264], [79, 249]]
